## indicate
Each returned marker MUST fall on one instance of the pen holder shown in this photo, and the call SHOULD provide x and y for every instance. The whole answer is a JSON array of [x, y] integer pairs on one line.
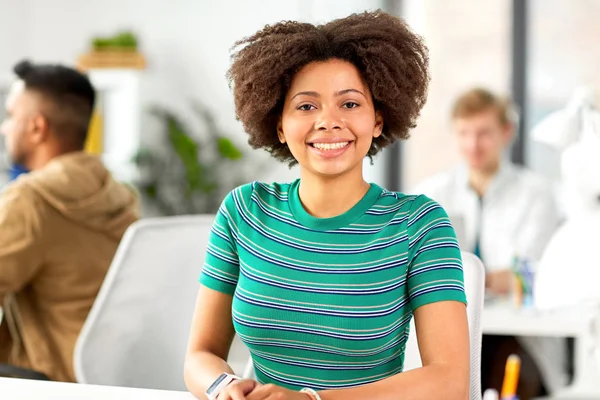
[[523, 281]]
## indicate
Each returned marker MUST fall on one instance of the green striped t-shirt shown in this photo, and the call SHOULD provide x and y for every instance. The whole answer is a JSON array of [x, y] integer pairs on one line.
[[326, 302]]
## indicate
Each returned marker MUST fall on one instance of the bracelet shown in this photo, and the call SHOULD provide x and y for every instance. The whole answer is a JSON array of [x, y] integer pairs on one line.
[[312, 393]]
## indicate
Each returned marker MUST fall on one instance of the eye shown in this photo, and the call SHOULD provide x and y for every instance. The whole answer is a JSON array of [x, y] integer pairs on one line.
[[350, 104], [305, 107]]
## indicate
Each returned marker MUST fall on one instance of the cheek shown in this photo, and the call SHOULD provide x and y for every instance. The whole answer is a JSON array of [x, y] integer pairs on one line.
[[295, 130], [489, 144], [13, 130], [5, 128], [362, 128], [14, 134], [465, 145], [11, 139], [13, 126]]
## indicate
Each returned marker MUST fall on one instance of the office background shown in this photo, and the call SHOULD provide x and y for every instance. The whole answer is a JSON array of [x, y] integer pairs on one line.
[[536, 51]]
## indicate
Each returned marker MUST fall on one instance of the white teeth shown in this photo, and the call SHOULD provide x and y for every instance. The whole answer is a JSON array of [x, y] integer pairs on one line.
[[330, 146]]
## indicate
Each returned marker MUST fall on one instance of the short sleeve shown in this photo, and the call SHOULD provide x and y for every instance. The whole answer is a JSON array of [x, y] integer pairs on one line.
[[435, 270], [221, 265]]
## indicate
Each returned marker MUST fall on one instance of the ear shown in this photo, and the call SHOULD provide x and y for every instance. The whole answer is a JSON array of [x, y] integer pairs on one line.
[[378, 124], [509, 132], [39, 128], [280, 134]]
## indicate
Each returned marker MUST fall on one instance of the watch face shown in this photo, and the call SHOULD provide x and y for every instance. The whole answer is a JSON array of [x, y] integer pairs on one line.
[[216, 383]]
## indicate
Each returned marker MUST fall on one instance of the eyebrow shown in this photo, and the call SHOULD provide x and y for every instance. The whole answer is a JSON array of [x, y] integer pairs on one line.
[[337, 94], [346, 91]]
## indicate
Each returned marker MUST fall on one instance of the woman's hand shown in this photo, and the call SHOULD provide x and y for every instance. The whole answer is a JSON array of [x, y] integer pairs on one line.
[[499, 282], [274, 392], [238, 390]]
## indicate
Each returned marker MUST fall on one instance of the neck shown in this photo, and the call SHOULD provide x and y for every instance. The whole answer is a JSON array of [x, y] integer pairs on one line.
[[329, 197], [43, 156], [480, 179]]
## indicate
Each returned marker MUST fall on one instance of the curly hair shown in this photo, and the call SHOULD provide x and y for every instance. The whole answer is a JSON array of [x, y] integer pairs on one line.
[[391, 59]]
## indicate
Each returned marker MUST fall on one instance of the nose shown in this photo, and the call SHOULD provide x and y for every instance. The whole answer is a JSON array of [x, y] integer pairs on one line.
[[471, 142], [329, 120]]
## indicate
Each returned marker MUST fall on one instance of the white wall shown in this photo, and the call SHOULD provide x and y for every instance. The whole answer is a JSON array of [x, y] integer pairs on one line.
[[13, 40], [186, 43]]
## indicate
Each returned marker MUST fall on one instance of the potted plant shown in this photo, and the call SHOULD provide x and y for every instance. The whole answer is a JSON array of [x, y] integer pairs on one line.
[[192, 172]]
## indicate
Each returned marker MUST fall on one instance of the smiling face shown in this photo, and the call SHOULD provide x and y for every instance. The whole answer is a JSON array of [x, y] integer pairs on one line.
[[329, 119]]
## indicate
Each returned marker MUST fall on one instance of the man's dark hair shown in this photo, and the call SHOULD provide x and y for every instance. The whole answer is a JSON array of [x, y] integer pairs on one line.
[[70, 98]]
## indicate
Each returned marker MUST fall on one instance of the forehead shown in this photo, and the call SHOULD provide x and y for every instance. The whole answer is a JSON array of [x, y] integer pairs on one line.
[[488, 118], [19, 96], [328, 75]]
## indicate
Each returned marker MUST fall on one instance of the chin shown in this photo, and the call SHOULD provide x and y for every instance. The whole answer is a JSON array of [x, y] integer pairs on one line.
[[330, 174], [333, 167], [331, 171]]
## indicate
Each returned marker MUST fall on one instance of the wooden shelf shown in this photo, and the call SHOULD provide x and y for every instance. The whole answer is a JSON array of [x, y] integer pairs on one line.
[[111, 59]]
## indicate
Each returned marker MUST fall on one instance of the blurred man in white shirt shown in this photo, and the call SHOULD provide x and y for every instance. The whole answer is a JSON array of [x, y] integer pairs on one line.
[[500, 211]]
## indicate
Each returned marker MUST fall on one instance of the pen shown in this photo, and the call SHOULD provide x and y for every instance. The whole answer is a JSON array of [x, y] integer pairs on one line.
[[511, 377]]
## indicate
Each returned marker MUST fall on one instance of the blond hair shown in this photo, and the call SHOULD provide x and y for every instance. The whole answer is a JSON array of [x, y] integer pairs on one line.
[[479, 100]]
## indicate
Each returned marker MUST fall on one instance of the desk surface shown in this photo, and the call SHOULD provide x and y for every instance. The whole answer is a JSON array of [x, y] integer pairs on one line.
[[502, 319], [23, 389], [578, 322]]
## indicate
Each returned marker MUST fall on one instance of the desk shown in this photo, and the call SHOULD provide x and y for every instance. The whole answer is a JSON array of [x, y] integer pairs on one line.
[[580, 323], [23, 389]]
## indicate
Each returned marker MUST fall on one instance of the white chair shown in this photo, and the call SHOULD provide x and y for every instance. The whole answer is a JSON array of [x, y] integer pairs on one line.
[[137, 330], [475, 290]]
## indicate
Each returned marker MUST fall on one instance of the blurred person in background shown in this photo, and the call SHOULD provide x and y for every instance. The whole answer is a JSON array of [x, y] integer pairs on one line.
[[60, 224], [502, 211]]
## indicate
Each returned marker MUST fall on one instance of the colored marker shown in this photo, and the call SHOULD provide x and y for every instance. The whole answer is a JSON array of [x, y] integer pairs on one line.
[[511, 377]]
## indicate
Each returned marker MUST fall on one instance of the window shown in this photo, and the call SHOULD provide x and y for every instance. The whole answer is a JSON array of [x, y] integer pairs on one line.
[[469, 44], [563, 55]]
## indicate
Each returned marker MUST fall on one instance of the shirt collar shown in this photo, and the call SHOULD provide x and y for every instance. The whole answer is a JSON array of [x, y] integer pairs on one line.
[[504, 175]]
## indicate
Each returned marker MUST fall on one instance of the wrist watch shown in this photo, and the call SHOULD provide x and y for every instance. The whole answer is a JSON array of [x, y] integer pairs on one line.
[[219, 384]]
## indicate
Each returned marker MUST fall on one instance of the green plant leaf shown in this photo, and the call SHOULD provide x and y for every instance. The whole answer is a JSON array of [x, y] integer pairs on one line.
[[192, 164], [123, 40], [143, 156], [151, 191], [228, 150], [187, 150]]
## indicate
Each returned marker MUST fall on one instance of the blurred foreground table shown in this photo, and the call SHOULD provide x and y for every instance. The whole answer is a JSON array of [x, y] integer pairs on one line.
[[24, 389]]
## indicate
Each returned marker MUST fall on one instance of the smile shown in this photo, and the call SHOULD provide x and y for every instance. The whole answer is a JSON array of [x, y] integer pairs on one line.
[[329, 146]]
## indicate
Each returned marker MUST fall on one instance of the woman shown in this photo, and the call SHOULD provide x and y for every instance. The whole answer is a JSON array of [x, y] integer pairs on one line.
[[321, 277]]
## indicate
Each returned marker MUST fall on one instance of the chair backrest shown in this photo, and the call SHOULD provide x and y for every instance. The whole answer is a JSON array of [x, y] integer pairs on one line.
[[137, 331], [475, 290]]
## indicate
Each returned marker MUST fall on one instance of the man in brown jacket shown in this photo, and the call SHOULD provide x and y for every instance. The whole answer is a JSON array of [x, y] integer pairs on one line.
[[60, 224]]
